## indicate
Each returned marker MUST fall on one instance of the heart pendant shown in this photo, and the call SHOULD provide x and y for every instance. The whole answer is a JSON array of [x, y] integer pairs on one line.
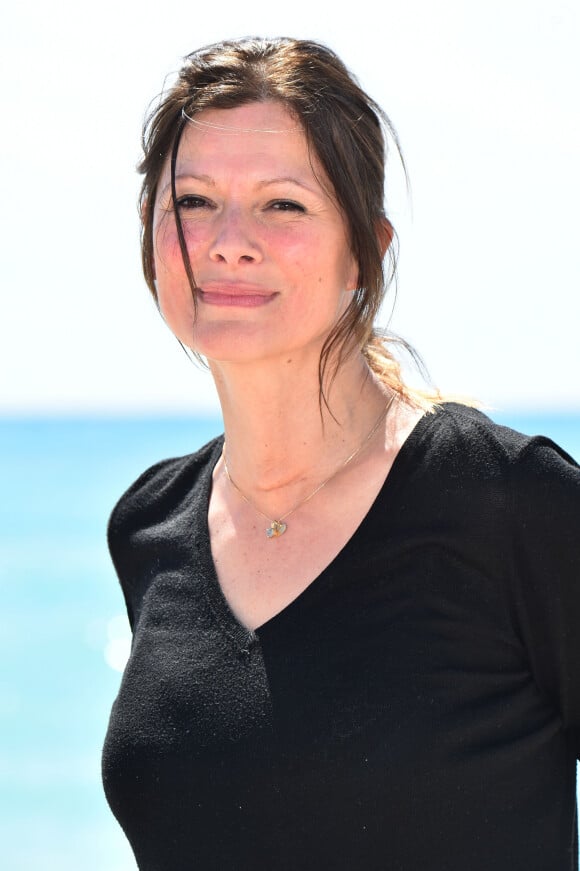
[[276, 529]]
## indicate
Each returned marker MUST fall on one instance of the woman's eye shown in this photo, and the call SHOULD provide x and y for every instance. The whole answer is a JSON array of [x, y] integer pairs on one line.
[[287, 206], [189, 201]]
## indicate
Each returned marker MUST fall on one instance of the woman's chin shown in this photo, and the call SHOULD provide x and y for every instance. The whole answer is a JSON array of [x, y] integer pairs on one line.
[[246, 342], [231, 343]]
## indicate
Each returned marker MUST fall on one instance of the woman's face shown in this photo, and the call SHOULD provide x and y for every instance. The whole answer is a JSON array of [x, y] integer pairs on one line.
[[268, 246]]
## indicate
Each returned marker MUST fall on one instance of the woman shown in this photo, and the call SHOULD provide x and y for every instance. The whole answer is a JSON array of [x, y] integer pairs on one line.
[[354, 617]]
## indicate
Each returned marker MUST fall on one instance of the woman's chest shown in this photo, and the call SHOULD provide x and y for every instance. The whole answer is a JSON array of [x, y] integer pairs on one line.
[[261, 574], [390, 691], [410, 642]]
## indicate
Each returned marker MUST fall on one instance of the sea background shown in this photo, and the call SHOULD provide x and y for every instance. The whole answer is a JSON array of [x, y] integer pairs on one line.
[[63, 631]]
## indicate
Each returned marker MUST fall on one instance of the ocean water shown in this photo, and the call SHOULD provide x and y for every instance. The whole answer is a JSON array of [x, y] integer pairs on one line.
[[63, 631]]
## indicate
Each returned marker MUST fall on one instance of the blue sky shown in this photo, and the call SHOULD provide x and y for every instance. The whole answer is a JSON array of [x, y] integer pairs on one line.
[[484, 97]]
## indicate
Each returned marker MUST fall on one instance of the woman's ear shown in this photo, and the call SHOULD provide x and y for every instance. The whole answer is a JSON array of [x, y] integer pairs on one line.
[[352, 279], [385, 233]]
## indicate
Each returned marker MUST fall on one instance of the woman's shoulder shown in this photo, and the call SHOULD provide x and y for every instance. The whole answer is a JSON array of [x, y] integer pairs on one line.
[[474, 438], [159, 490], [459, 452]]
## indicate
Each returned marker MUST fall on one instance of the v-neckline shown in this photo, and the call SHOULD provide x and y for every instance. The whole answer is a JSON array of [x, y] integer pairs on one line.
[[241, 635]]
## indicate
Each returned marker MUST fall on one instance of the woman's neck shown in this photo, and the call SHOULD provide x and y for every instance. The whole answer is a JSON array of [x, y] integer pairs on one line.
[[280, 439]]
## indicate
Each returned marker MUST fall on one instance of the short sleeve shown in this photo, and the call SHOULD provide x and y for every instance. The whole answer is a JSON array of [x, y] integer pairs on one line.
[[546, 534]]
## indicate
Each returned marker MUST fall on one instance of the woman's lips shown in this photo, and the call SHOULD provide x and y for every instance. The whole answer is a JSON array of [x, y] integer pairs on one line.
[[241, 295]]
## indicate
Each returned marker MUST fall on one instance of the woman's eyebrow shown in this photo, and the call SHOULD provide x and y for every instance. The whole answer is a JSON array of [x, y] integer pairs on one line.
[[181, 176], [208, 180], [285, 179]]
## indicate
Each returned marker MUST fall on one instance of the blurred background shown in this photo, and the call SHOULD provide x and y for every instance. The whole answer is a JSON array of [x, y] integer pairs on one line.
[[93, 388]]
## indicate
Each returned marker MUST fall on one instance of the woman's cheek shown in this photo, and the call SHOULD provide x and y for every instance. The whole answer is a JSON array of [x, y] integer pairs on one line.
[[174, 296], [176, 306], [167, 246]]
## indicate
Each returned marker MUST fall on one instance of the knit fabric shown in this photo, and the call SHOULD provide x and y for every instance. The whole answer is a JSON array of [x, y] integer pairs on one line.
[[416, 707]]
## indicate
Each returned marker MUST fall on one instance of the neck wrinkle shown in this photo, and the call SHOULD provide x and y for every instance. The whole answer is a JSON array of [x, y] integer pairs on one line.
[[277, 438]]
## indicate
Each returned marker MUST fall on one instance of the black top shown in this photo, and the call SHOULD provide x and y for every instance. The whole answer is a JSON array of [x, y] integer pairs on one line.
[[416, 707]]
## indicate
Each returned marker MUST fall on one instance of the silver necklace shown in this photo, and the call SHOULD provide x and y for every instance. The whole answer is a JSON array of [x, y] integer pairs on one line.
[[279, 527]]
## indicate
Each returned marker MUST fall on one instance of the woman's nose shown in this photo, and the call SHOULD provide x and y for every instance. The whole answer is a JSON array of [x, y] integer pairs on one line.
[[234, 241]]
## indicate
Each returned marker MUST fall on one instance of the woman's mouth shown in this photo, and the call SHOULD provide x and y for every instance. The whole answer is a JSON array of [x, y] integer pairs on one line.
[[235, 294]]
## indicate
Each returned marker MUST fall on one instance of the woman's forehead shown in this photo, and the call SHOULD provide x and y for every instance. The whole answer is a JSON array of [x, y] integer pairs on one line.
[[264, 141], [268, 117]]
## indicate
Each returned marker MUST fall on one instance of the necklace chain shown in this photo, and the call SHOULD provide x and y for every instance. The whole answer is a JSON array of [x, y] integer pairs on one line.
[[278, 527]]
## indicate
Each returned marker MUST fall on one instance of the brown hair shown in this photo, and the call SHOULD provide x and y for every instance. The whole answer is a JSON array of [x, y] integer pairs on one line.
[[346, 130]]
